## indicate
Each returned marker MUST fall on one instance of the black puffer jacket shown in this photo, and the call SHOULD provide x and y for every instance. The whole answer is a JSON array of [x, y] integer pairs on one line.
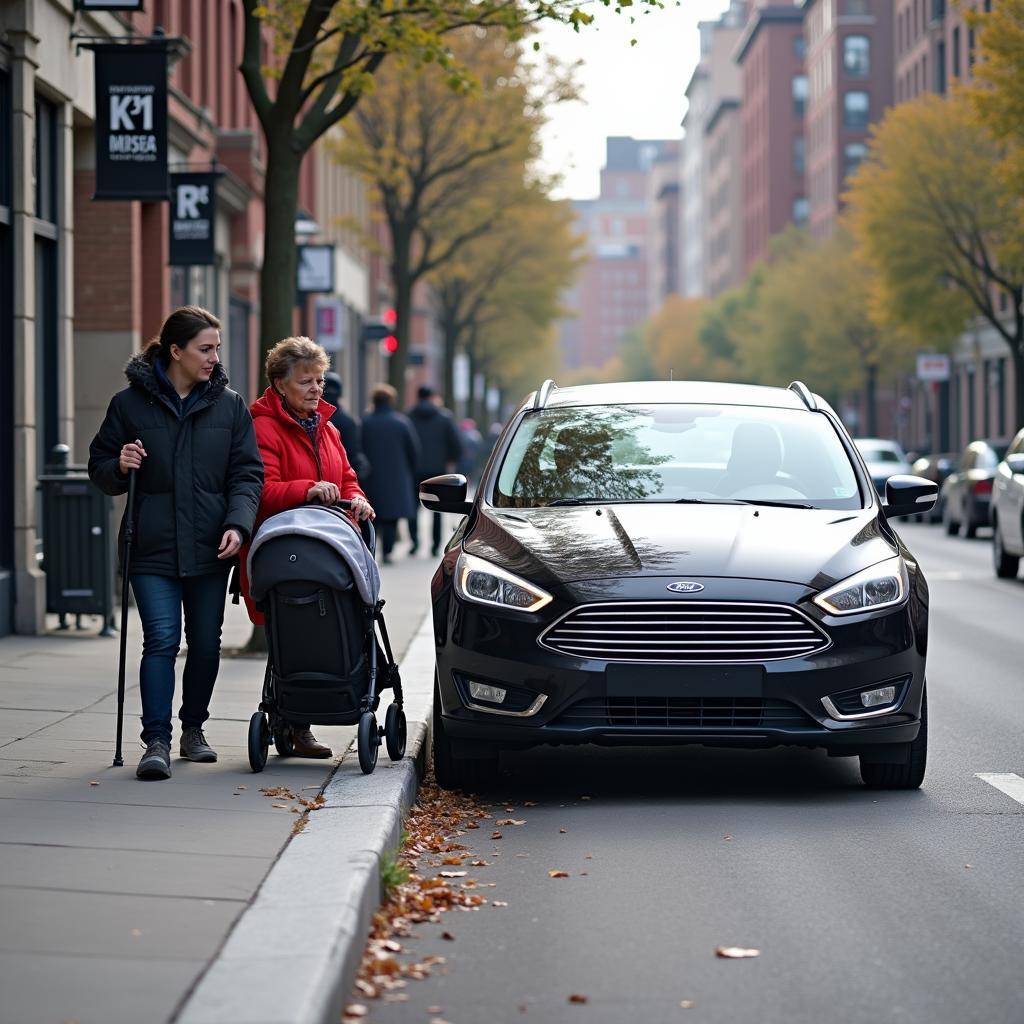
[[201, 476]]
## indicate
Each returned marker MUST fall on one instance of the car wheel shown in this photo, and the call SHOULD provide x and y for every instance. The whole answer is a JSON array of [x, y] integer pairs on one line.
[[1006, 565], [909, 774], [453, 770], [952, 526]]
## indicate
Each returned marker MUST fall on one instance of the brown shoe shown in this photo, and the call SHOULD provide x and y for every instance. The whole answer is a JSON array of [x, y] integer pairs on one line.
[[305, 744]]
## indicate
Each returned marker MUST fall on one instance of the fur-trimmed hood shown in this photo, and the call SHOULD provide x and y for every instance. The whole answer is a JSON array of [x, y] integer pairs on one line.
[[141, 374]]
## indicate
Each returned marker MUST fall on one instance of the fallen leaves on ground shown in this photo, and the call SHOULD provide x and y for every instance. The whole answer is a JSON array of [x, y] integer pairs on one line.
[[432, 829], [298, 802], [736, 952]]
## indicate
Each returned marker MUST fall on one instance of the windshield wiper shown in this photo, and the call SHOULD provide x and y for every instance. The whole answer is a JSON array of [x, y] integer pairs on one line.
[[772, 504], [576, 501]]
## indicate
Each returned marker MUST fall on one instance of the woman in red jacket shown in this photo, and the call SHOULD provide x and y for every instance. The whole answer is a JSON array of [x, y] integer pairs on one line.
[[304, 461]]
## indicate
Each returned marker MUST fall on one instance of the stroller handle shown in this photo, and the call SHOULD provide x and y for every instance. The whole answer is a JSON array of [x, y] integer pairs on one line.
[[365, 525]]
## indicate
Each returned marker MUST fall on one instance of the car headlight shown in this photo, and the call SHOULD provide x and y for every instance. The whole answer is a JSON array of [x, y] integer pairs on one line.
[[879, 586], [484, 583]]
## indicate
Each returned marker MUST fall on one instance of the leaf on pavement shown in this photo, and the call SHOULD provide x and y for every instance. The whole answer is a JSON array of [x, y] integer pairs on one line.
[[355, 1010], [447, 936], [563, 831], [452, 860], [498, 903], [496, 835], [577, 998], [510, 821], [558, 874], [735, 952], [687, 1004], [453, 874]]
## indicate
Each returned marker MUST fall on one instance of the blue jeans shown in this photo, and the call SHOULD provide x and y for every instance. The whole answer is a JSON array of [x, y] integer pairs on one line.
[[160, 600]]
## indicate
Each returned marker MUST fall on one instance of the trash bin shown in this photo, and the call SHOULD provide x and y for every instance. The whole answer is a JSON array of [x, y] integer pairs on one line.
[[78, 543]]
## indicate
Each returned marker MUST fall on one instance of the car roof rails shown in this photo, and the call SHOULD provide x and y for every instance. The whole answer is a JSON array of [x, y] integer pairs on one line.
[[543, 394], [805, 394]]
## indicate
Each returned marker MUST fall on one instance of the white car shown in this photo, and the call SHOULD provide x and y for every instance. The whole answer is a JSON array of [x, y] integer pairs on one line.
[[1008, 510], [884, 459]]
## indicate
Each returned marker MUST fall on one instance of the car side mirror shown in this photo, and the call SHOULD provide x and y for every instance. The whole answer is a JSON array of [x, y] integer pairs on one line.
[[908, 495], [446, 493], [1015, 463]]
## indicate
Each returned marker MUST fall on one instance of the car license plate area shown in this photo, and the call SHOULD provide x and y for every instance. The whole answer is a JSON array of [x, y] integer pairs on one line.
[[684, 681]]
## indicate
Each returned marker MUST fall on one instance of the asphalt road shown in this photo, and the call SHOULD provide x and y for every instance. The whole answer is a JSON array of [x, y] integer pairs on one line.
[[866, 907]]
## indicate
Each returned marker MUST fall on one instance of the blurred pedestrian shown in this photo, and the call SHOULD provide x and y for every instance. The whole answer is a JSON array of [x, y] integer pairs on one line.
[[390, 445], [190, 441], [348, 426], [440, 450], [304, 461], [472, 449]]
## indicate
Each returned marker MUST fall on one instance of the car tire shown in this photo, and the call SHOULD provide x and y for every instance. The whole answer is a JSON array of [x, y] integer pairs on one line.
[[952, 526], [1006, 565], [909, 774], [452, 770]]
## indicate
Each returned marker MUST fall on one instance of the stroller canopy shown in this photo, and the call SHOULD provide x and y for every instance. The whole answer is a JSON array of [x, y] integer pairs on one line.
[[330, 526]]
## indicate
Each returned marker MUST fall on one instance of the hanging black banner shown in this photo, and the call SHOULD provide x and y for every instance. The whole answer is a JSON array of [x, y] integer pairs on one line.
[[131, 121], [193, 219]]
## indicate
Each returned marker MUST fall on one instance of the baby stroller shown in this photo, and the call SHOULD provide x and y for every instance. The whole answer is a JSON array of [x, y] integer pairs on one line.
[[317, 584]]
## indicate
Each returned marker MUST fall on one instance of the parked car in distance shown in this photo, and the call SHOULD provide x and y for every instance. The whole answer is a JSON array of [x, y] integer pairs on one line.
[[1008, 510], [678, 562], [884, 459], [935, 468], [966, 493]]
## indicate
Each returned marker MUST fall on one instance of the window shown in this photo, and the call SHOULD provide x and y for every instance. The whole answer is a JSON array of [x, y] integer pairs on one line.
[[799, 94], [940, 69], [856, 109], [799, 155], [853, 154], [857, 56], [856, 7], [799, 47], [956, 52], [800, 210], [46, 161]]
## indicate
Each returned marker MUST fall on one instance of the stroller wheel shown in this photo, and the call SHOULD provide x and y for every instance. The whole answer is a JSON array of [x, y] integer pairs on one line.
[[259, 741], [395, 732], [367, 742], [284, 741]]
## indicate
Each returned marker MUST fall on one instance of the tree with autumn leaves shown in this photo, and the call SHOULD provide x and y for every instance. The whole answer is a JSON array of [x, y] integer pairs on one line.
[[308, 64]]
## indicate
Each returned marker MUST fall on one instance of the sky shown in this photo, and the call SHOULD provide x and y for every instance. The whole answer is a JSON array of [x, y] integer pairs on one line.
[[625, 90]]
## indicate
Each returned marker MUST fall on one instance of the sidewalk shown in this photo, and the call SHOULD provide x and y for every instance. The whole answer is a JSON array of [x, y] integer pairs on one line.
[[116, 895]]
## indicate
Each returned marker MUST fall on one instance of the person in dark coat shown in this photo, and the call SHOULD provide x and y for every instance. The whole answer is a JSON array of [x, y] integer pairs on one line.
[[389, 442], [440, 451], [347, 426], [190, 441]]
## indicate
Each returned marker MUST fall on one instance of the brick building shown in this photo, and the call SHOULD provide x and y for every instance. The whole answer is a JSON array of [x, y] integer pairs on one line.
[[83, 284], [770, 54], [850, 86]]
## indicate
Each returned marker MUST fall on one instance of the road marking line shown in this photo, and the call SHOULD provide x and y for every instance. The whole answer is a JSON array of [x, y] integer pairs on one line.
[[1006, 782]]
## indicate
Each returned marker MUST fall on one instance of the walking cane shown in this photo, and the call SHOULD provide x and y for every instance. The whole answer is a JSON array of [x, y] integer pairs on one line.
[[129, 530]]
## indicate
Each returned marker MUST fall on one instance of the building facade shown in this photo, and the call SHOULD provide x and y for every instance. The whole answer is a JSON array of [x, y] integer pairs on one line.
[[770, 54], [850, 86], [84, 284]]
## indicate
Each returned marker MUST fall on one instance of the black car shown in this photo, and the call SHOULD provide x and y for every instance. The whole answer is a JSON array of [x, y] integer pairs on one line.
[[966, 494], [679, 562]]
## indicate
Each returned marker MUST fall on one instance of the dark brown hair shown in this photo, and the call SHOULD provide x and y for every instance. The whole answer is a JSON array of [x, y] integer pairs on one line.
[[179, 329]]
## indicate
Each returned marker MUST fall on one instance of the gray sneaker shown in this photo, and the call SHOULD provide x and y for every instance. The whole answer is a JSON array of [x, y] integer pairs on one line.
[[156, 761], [194, 746]]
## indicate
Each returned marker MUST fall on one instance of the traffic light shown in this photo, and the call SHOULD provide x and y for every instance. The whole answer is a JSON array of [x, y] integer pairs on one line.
[[390, 317], [389, 345]]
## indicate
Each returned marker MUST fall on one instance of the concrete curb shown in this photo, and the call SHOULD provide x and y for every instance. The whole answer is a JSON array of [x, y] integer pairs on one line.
[[292, 955]]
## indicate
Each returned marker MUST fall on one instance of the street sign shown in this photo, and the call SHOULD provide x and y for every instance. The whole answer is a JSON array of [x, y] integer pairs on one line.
[[193, 219], [315, 268], [330, 324], [932, 366], [131, 121]]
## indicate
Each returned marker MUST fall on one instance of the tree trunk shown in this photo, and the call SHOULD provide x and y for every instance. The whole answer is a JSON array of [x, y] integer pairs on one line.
[[871, 400], [277, 275]]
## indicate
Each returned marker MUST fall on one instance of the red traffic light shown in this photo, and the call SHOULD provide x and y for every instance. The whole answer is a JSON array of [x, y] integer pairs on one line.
[[389, 345], [390, 317]]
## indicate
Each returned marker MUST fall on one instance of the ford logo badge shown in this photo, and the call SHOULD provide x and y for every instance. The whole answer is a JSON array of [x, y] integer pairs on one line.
[[685, 588]]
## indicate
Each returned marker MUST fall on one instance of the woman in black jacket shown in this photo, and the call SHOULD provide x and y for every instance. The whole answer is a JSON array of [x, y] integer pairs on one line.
[[191, 442]]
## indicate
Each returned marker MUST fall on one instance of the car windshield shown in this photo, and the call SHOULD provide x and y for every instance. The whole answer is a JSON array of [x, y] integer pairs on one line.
[[879, 453], [681, 453]]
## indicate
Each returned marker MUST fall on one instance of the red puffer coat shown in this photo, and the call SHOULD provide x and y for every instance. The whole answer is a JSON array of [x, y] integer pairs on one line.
[[291, 466]]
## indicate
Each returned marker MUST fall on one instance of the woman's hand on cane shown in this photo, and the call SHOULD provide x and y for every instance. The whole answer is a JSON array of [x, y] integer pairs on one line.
[[131, 456]]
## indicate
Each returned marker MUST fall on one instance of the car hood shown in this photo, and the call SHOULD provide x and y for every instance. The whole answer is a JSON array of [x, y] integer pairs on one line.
[[812, 547]]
